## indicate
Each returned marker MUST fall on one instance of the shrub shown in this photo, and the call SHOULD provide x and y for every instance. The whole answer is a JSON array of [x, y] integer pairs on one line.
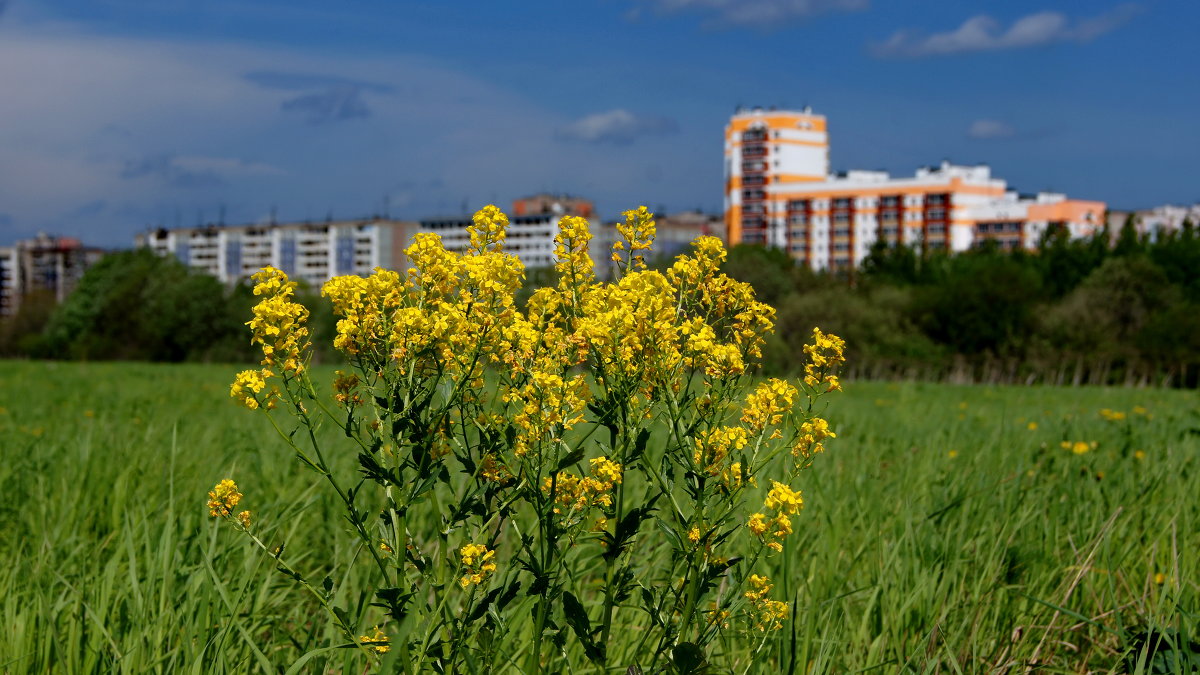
[[594, 478]]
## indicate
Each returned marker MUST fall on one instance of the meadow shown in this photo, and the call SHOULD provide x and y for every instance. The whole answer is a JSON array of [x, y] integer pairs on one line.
[[946, 530]]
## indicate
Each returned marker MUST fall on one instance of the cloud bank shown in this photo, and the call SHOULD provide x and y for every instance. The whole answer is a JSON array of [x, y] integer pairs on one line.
[[984, 33], [616, 127], [991, 130], [751, 13]]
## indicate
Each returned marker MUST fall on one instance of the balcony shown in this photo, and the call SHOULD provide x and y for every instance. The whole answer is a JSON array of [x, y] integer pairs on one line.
[[754, 151]]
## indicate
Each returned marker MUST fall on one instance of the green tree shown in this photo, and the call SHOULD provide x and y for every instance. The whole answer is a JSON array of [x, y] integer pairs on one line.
[[983, 302], [137, 305]]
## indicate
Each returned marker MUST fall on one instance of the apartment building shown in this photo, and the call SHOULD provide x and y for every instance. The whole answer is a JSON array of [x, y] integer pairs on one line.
[[311, 251], [318, 251], [1156, 222], [43, 263], [779, 192]]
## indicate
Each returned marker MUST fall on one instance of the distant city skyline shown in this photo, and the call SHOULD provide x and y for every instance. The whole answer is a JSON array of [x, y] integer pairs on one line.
[[119, 115]]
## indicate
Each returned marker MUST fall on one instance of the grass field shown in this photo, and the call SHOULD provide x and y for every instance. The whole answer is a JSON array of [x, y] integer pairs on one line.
[[945, 530]]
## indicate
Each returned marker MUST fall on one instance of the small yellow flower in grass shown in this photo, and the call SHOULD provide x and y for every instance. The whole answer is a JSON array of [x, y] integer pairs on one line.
[[377, 641], [1079, 447], [1139, 410], [223, 497], [243, 519], [1112, 415], [694, 535], [1139, 454], [1032, 426], [1160, 578], [478, 562], [952, 454]]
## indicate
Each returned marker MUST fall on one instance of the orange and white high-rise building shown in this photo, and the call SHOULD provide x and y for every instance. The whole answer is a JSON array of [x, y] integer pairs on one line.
[[779, 192]]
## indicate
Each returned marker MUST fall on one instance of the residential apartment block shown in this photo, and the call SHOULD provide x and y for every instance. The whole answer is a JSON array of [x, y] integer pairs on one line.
[[312, 251], [44, 263], [318, 251], [779, 192], [1156, 222]]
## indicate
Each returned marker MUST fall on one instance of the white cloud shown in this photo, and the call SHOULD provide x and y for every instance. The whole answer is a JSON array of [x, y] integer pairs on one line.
[[991, 130], [983, 33], [758, 13], [618, 127]]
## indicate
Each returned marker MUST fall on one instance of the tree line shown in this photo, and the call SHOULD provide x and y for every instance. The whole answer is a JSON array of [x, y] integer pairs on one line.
[[1099, 310]]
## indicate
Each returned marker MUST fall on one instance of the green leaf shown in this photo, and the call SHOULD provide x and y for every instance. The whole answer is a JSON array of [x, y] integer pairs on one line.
[[572, 458], [688, 658], [579, 622], [639, 447]]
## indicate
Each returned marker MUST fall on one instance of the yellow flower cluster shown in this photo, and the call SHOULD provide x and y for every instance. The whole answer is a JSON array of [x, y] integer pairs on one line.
[[223, 498], [767, 614], [811, 439], [638, 232], [575, 493], [491, 469], [365, 305], [785, 502], [766, 405], [715, 446], [824, 356], [246, 386], [488, 229], [478, 562], [576, 271], [1112, 415], [783, 499], [546, 406], [278, 322]]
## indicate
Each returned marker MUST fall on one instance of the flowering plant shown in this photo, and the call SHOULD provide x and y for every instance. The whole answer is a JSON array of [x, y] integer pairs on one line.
[[593, 477]]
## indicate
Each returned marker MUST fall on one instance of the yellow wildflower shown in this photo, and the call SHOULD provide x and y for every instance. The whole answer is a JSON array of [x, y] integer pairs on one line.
[[223, 498], [766, 405], [757, 524], [478, 561], [783, 499], [378, 641], [246, 386]]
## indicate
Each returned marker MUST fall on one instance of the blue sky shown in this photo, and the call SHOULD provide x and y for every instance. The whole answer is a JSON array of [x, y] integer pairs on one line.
[[118, 115]]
